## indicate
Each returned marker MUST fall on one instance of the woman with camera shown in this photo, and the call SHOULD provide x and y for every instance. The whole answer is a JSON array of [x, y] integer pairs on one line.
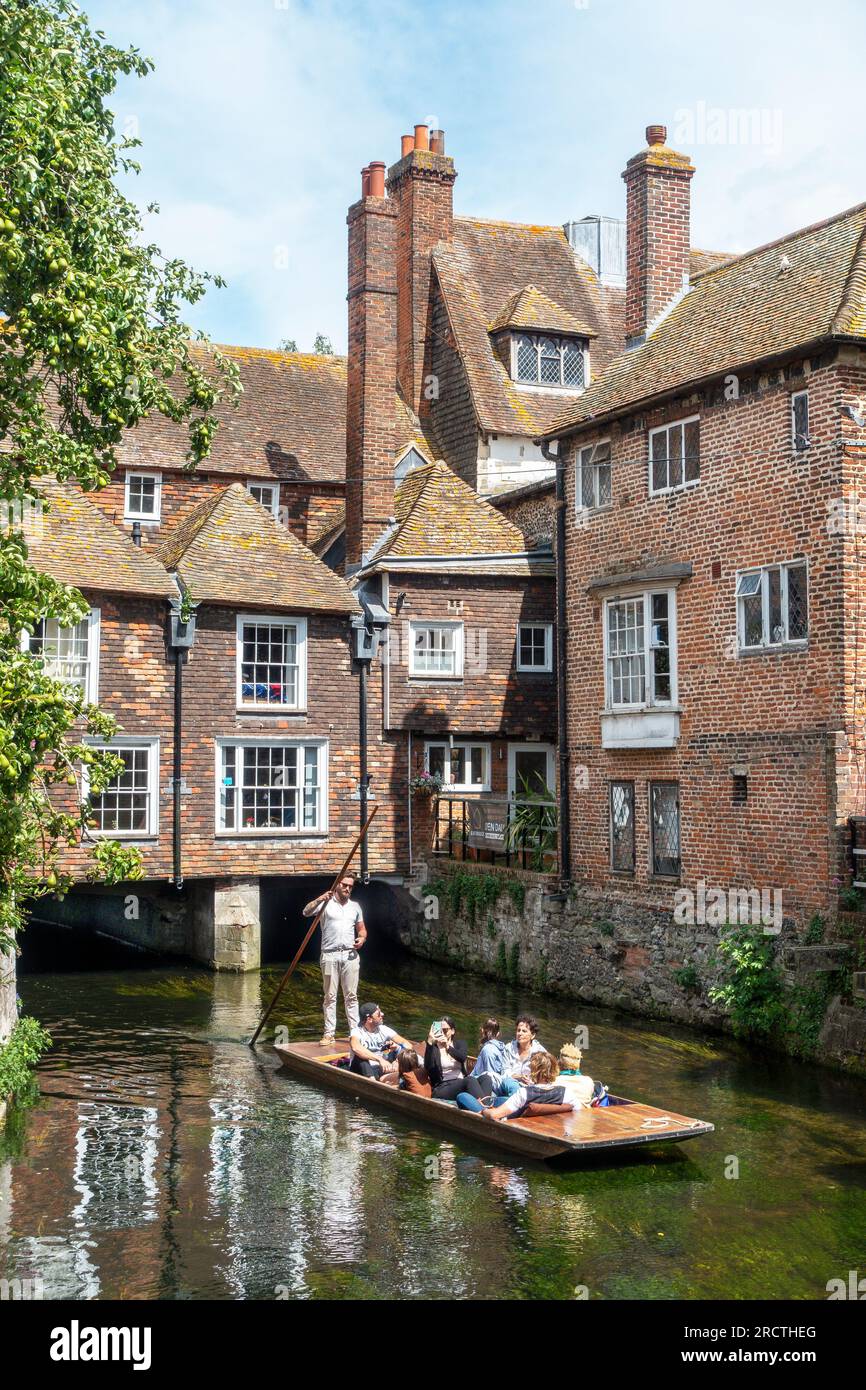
[[445, 1063]]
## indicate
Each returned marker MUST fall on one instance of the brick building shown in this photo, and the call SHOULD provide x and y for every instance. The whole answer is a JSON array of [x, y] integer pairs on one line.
[[370, 549], [712, 563]]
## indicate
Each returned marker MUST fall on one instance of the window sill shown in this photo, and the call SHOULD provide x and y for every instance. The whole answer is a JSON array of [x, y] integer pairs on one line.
[[675, 491], [270, 709], [271, 833], [664, 878], [144, 520], [534, 670], [646, 728], [547, 388], [434, 680], [776, 649], [587, 513]]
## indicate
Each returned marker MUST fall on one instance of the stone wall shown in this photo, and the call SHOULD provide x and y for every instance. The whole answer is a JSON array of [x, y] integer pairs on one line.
[[586, 946]]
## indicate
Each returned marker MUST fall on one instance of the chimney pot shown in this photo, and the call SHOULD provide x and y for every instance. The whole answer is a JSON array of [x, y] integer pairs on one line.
[[365, 181], [437, 141], [407, 145], [422, 137], [656, 134], [377, 178]]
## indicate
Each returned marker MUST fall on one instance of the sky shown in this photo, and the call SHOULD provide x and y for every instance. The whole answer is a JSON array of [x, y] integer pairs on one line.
[[260, 115]]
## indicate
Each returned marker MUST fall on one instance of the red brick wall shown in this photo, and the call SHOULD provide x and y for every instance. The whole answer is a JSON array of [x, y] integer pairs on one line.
[[485, 700], [137, 686], [657, 234], [422, 187], [306, 507], [757, 502], [370, 401]]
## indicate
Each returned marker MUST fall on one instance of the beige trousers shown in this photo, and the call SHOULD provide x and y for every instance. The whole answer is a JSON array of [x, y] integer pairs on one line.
[[338, 972]]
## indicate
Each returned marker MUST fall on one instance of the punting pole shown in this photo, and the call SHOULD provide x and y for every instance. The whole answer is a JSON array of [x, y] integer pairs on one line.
[[300, 951]]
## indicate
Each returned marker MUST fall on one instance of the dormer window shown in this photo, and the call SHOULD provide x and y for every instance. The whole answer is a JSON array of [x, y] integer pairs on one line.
[[539, 359]]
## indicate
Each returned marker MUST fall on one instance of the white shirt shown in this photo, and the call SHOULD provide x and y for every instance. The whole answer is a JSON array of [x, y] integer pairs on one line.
[[374, 1039], [518, 1066], [338, 923]]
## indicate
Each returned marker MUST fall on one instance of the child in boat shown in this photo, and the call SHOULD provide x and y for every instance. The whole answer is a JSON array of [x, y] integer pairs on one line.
[[489, 1070], [411, 1075], [540, 1096], [578, 1088]]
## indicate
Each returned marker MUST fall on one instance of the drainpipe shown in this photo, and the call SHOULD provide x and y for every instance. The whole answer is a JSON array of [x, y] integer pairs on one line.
[[561, 671], [181, 638], [362, 739]]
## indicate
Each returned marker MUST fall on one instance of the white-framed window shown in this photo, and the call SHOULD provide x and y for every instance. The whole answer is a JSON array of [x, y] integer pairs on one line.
[[593, 478], [436, 649], [542, 359], [664, 819], [143, 496], [674, 456], [69, 654], [773, 606], [271, 662], [531, 770], [800, 421], [268, 787], [129, 806], [622, 837], [465, 767], [266, 493], [640, 650], [535, 646]]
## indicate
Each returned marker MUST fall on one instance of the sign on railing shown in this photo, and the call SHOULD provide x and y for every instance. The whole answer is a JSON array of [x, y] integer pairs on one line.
[[487, 822]]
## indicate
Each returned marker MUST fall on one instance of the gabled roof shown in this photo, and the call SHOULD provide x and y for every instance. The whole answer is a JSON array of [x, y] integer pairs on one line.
[[529, 308], [480, 270], [442, 523], [231, 550], [804, 288], [76, 544], [290, 422]]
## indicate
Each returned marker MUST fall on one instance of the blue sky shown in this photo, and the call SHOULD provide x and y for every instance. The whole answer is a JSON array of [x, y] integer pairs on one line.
[[261, 113]]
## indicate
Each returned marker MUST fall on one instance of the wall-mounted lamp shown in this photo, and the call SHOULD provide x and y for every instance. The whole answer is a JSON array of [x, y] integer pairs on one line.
[[401, 603]]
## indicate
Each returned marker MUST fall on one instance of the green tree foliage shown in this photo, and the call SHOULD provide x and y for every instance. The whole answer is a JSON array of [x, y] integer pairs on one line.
[[91, 342]]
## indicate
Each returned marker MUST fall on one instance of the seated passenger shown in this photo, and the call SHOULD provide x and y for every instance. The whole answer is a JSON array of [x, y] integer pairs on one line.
[[445, 1062], [525, 1045], [578, 1088], [539, 1096], [489, 1069], [374, 1046], [411, 1074]]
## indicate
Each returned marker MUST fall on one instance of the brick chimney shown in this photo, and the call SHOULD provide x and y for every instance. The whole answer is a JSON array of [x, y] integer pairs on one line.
[[422, 186], [372, 367], [657, 222]]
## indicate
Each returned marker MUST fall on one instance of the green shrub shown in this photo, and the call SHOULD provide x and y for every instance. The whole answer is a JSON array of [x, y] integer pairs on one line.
[[19, 1055], [851, 899], [687, 978], [606, 928], [752, 991], [815, 930]]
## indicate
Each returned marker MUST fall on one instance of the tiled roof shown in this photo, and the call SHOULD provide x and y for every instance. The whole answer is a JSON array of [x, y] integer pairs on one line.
[[806, 287], [529, 308], [290, 422], [74, 543], [485, 265], [441, 518], [230, 549], [699, 261]]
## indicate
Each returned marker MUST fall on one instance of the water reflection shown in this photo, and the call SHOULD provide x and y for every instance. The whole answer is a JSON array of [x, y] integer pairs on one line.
[[166, 1159]]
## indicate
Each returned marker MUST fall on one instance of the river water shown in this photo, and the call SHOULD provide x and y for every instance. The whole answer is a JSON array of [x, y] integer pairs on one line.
[[166, 1160]]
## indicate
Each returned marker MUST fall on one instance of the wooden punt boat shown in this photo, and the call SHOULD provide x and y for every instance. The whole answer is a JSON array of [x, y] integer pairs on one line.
[[623, 1125]]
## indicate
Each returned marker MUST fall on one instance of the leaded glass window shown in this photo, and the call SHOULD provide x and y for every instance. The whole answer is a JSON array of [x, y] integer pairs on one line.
[[544, 360], [772, 606], [674, 456], [594, 478], [665, 828], [622, 826]]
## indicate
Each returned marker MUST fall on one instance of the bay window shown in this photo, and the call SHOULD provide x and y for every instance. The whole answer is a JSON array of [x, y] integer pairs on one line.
[[641, 650]]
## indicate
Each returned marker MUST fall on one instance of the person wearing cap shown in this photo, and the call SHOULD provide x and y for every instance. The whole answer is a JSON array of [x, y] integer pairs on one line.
[[374, 1046], [343, 935]]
